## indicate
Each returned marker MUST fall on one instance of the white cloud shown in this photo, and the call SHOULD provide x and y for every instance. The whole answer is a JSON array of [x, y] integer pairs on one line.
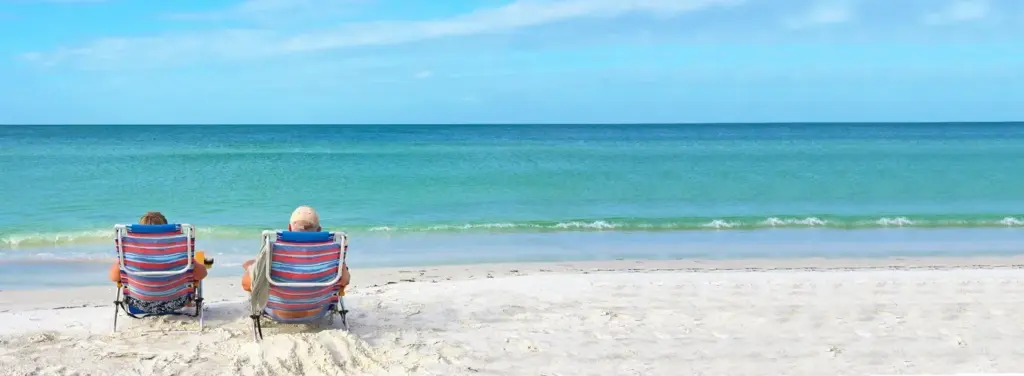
[[273, 11], [518, 15], [161, 49], [424, 74], [65, 1], [959, 11], [158, 50], [821, 14]]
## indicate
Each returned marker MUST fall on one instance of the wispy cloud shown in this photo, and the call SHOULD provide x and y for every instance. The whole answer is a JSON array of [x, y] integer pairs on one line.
[[424, 74], [959, 11], [65, 1], [262, 42], [824, 13], [273, 11]]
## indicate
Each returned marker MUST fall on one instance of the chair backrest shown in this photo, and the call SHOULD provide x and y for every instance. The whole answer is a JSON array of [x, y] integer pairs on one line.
[[156, 260], [305, 269]]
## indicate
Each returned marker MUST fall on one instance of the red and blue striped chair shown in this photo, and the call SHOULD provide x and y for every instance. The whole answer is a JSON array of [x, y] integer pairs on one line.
[[157, 271], [305, 271]]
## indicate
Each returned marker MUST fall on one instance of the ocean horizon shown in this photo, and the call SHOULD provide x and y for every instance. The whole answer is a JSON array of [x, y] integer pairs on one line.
[[433, 194], [940, 123]]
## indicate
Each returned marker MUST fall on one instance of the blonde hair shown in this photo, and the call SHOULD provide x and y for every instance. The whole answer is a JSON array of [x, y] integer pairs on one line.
[[153, 218]]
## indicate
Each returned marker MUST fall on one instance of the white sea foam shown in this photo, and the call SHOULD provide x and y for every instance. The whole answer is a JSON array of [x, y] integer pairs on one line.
[[809, 221], [29, 240], [15, 241], [720, 224], [472, 226], [898, 221], [588, 225], [1011, 221]]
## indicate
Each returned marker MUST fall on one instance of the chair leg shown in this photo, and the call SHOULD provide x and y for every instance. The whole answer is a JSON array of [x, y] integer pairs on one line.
[[117, 305], [200, 312], [257, 329], [199, 304], [199, 298], [343, 312]]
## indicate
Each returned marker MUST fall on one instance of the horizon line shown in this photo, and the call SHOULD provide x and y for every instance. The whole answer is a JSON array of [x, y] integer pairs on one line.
[[526, 124]]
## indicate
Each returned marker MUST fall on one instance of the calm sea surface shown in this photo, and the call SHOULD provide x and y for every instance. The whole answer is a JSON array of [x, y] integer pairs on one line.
[[470, 193]]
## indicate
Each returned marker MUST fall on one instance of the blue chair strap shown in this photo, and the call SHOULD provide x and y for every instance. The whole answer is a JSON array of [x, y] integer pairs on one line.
[[154, 229], [305, 237]]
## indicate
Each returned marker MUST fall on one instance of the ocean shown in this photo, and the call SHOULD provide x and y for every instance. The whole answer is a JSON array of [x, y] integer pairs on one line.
[[439, 194]]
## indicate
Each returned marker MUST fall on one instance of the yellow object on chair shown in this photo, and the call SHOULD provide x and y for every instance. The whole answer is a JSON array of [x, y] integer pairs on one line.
[[201, 258]]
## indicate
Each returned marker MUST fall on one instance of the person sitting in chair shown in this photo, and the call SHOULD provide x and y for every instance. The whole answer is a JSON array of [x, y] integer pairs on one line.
[[155, 218], [303, 219]]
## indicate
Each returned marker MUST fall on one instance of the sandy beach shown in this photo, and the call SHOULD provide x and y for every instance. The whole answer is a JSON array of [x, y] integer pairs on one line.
[[741, 317]]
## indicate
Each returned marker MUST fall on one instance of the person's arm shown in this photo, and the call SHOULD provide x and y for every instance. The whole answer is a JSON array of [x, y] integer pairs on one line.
[[115, 272], [199, 272], [247, 281], [247, 275]]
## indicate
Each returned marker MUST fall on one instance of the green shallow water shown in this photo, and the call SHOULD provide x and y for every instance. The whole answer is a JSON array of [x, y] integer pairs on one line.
[[70, 184]]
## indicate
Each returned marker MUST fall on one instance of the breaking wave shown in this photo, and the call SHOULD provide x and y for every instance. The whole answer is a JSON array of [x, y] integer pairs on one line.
[[14, 240]]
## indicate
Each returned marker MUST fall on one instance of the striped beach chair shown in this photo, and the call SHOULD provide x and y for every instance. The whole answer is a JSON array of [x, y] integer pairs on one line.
[[304, 274], [157, 271]]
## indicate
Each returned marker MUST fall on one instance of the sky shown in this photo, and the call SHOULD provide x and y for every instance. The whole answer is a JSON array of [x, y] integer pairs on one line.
[[523, 61]]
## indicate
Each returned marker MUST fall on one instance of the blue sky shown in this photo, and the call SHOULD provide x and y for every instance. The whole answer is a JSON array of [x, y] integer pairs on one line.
[[466, 61]]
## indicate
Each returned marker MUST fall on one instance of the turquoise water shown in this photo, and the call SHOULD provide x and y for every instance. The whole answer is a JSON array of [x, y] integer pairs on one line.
[[65, 186]]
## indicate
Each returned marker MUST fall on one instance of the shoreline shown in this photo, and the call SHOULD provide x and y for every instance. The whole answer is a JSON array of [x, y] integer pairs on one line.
[[809, 223], [364, 278], [93, 276], [571, 246]]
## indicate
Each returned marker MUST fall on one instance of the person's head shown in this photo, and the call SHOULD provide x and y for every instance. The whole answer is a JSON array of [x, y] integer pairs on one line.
[[304, 219], [153, 218]]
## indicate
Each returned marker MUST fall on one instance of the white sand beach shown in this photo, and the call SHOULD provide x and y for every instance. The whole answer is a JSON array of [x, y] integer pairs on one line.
[[745, 317]]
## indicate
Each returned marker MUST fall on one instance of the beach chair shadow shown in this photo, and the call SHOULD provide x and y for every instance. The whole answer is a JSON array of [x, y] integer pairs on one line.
[[157, 272], [304, 274]]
